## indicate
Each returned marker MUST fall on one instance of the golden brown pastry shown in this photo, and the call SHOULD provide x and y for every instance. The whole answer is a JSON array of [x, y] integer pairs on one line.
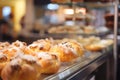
[[3, 61], [99, 45], [24, 68], [41, 45], [65, 29], [15, 49], [4, 45], [67, 51], [12, 52], [49, 62], [19, 44], [89, 30], [94, 47], [89, 40]]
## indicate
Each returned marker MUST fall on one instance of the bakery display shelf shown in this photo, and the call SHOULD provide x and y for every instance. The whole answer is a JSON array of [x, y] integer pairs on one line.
[[100, 34], [95, 4], [60, 36], [69, 35], [90, 4], [82, 67]]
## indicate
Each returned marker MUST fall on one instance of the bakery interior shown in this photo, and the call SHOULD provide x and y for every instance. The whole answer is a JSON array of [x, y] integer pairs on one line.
[[59, 40]]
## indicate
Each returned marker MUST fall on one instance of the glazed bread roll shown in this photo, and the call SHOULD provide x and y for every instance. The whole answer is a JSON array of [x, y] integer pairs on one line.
[[49, 62], [67, 51], [24, 68]]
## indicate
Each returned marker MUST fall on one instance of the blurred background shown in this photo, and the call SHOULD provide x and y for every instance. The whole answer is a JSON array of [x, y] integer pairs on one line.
[[30, 20], [23, 19]]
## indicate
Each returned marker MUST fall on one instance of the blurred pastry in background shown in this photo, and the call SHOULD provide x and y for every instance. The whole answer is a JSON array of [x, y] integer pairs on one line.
[[98, 46], [89, 30], [88, 40]]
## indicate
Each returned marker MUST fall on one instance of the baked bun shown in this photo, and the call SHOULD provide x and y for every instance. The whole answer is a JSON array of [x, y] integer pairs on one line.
[[89, 40], [12, 52], [40, 45], [89, 30], [19, 44], [49, 62], [21, 69], [3, 62], [15, 49], [94, 47], [99, 45], [67, 51], [4, 45]]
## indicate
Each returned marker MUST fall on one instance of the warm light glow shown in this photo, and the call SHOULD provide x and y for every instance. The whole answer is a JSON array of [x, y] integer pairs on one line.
[[18, 8], [52, 6], [81, 10], [6, 11], [68, 11]]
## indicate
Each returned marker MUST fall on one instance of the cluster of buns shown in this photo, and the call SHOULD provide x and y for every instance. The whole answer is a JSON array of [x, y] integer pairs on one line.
[[15, 64], [19, 61]]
